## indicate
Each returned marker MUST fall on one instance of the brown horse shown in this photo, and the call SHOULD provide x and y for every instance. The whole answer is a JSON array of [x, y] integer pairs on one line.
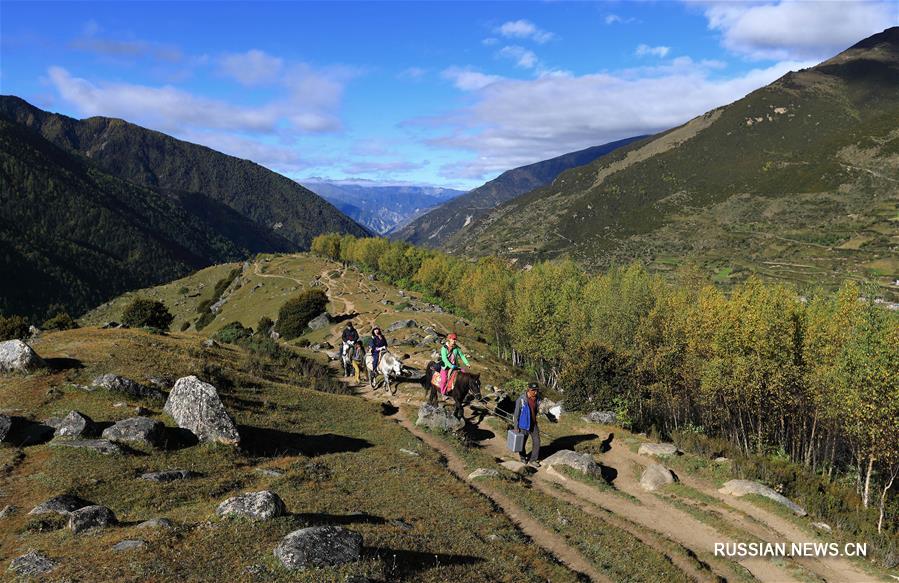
[[466, 383]]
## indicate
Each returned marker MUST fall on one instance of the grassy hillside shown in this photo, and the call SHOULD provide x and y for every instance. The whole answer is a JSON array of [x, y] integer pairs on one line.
[[796, 181], [158, 161], [450, 221]]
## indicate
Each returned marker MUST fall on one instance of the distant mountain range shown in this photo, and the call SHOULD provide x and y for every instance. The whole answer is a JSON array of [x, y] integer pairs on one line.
[[450, 222], [381, 208], [94, 207], [797, 181]]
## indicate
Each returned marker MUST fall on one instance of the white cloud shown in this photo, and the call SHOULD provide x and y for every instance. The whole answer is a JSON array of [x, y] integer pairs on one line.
[[468, 79], [516, 122], [797, 29], [277, 157], [644, 50], [124, 50], [614, 18], [524, 29], [370, 167], [523, 57], [413, 73], [251, 68], [490, 41]]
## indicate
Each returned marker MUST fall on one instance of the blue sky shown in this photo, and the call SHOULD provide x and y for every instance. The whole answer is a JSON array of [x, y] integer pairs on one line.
[[435, 93]]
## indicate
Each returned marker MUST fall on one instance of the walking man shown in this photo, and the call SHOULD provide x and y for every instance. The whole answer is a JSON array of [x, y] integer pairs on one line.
[[525, 417]]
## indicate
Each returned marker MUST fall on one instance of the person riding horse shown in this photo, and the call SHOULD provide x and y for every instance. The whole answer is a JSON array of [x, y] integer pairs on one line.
[[450, 356], [349, 337], [377, 345]]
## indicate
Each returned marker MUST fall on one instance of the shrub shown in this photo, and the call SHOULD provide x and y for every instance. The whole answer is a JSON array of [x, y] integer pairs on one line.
[[61, 321], [13, 327], [296, 313], [232, 333], [143, 313], [183, 291], [204, 320], [593, 376], [264, 326], [185, 325]]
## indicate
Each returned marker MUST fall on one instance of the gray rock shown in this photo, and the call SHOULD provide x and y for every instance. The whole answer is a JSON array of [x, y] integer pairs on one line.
[[740, 488], [31, 564], [168, 475], [821, 526], [136, 430], [408, 452], [210, 343], [8, 511], [16, 356], [157, 523], [195, 406], [128, 545], [319, 546], [483, 473], [604, 417], [269, 472], [5, 426], [658, 449], [402, 324], [63, 505], [34, 331], [656, 476], [583, 462], [263, 505], [320, 321], [163, 383], [438, 418], [321, 346], [103, 446], [90, 517], [126, 386], [76, 424]]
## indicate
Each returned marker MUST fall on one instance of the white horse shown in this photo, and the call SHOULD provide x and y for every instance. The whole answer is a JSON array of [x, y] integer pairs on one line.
[[346, 357], [388, 365]]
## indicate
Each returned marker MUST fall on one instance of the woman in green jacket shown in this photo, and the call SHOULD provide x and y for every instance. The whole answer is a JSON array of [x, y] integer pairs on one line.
[[450, 356]]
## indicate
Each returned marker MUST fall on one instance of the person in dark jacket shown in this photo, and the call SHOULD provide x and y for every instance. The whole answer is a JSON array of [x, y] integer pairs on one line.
[[378, 344], [525, 418], [349, 336]]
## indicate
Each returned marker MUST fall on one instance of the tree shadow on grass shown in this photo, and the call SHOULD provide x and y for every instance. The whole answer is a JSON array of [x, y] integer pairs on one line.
[[403, 565], [266, 442], [63, 363], [323, 519], [566, 442]]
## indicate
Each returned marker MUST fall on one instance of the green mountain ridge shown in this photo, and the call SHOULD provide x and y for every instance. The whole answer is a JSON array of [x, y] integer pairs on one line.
[[799, 180], [449, 222]]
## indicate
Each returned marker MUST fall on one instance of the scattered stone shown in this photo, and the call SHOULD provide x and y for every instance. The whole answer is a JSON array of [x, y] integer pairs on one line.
[[34, 331], [63, 505], [721, 460], [269, 472], [583, 462], [402, 324], [656, 476], [103, 446], [163, 383], [257, 570], [408, 452], [319, 546], [822, 526], [128, 545], [8, 511], [5, 426], [514, 466], [157, 523], [740, 488], [263, 505], [402, 524], [387, 302], [110, 324], [16, 356], [603, 417], [168, 475], [90, 517], [321, 346], [75, 424], [196, 406], [210, 343], [142, 411], [126, 386], [32, 563], [320, 321], [119, 404], [136, 430], [439, 418], [483, 473], [658, 449]]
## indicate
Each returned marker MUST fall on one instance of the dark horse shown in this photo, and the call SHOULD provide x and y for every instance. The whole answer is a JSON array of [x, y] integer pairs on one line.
[[466, 383]]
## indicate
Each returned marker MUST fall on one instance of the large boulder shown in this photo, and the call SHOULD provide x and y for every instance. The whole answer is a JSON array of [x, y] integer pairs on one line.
[[742, 487], [126, 386], [582, 462], [603, 417], [135, 430], [320, 321], [263, 505], [74, 425], [31, 564], [90, 517], [103, 446], [658, 449], [5, 426], [656, 476], [16, 356], [62, 505], [196, 406], [439, 418], [402, 324], [319, 546]]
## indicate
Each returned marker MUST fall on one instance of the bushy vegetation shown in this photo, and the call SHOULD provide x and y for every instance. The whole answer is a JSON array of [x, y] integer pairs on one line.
[[809, 379], [13, 328], [233, 332], [144, 313], [60, 321], [204, 308], [296, 313]]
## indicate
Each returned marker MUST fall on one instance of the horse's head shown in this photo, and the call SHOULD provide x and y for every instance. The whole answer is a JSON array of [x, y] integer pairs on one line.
[[475, 385]]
